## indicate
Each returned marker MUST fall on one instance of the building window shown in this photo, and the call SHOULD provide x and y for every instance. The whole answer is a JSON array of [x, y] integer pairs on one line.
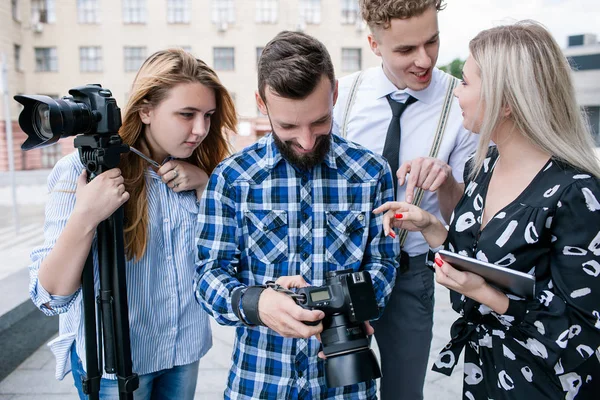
[[90, 59], [134, 58], [310, 11], [258, 53], [88, 11], [351, 60], [134, 11], [178, 11], [17, 50], [46, 59], [349, 11], [223, 11], [266, 11], [14, 4], [43, 11], [223, 58]]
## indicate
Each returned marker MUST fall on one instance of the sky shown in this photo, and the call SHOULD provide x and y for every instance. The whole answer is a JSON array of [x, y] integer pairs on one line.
[[461, 20]]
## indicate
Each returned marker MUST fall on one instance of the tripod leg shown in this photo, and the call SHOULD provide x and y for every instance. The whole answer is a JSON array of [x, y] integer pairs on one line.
[[114, 292], [91, 384]]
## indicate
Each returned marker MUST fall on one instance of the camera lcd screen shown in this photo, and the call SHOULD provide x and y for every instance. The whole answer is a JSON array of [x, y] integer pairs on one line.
[[320, 295]]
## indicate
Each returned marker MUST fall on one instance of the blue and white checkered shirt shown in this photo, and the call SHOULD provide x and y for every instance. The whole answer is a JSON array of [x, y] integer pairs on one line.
[[261, 218]]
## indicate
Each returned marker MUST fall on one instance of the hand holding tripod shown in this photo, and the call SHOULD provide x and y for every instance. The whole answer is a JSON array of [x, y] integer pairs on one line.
[[109, 310]]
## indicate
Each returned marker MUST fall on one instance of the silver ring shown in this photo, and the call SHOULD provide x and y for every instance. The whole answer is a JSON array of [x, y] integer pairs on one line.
[[175, 185], [176, 173]]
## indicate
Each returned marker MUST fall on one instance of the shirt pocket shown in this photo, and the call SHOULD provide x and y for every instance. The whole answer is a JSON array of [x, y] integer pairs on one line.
[[345, 237], [267, 235]]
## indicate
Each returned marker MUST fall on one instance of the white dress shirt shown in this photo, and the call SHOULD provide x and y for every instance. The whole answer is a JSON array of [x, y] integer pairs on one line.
[[370, 115]]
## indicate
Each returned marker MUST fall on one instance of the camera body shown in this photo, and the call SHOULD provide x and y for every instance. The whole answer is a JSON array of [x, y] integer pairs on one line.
[[348, 300], [346, 292]]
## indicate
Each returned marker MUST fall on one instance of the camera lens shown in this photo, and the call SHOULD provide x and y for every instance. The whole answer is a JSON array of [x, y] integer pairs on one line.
[[41, 121]]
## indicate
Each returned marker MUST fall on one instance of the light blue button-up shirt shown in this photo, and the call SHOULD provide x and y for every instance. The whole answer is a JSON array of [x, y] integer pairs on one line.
[[168, 327]]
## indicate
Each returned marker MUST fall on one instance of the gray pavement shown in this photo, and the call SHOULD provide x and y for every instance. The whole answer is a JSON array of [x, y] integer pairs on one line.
[[34, 378]]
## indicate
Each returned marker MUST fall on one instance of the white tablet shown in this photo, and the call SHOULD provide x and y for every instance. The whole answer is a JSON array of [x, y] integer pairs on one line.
[[505, 279]]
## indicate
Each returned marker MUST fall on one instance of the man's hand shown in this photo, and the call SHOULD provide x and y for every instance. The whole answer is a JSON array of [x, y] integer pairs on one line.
[[426, 173], [280, 313]]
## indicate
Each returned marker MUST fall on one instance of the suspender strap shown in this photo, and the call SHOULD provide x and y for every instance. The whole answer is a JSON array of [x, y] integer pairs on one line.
[[437, 141], [350, 102]]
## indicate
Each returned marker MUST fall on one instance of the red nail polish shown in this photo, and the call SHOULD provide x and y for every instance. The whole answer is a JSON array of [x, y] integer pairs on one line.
[[392, 235], [398, 216], [439, 262]]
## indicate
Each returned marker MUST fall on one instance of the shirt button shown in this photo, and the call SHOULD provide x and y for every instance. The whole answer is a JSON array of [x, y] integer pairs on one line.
[[169, 258], [300, 374], [304, 215], [166, 220], [174, 329], [304, 255]]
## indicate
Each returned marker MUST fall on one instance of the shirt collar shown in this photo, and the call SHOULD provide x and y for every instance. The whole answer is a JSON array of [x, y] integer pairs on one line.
[[383, 87], [273, 155]]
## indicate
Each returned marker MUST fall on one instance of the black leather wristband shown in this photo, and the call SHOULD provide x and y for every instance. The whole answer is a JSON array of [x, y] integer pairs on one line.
[[236, 295], [250, 299]]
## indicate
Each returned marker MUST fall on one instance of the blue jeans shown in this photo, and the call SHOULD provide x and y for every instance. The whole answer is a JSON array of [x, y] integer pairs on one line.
[[174, 383]]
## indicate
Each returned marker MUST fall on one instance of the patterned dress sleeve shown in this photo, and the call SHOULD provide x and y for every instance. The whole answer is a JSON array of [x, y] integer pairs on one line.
[[562, 326]]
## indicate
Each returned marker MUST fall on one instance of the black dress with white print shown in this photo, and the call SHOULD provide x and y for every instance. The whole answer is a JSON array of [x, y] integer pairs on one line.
[[548, 347]]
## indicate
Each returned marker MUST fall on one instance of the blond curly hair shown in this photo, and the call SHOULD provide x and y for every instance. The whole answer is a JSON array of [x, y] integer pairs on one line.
[[379, 13]]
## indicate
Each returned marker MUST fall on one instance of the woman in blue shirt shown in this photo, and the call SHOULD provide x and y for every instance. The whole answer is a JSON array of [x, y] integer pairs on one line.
[[178, 113]]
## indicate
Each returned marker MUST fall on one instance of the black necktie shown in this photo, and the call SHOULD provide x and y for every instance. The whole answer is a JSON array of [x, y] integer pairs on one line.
[[391, 149]]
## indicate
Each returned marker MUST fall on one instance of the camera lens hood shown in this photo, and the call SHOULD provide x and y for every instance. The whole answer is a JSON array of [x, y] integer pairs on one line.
[[351, 368]]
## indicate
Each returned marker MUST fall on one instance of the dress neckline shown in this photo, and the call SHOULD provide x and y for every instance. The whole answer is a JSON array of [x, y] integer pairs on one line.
[[516, 200]]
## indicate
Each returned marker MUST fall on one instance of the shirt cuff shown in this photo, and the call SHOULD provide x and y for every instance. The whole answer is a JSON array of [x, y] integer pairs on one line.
[[52, 304], [517, 309]]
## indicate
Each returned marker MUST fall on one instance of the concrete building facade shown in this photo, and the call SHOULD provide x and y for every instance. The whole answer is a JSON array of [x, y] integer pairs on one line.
[[583, 52], [52, 46]]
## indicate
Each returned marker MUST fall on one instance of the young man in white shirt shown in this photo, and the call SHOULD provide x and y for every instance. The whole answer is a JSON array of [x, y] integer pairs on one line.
[[405, 35]]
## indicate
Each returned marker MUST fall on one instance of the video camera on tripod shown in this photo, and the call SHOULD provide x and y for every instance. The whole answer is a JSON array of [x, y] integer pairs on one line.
[[91, 114]]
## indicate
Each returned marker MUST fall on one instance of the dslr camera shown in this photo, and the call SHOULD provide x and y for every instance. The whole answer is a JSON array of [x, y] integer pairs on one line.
[[89, 111], [348, 300]]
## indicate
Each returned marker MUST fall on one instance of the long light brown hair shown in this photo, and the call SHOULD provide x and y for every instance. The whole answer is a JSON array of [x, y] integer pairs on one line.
[[161, 72], [523, 67]]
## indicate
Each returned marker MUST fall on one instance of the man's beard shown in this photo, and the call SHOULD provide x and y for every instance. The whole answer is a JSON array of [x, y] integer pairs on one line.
[[304, 161]]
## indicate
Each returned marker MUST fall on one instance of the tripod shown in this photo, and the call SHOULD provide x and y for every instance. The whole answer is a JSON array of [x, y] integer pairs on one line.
[[100, 153]]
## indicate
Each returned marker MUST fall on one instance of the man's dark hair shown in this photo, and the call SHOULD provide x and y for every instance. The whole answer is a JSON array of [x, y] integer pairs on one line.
[[292, 64]]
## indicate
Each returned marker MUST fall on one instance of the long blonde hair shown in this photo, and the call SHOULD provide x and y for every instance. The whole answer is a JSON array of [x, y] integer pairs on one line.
[[523, 67], [157, 76]]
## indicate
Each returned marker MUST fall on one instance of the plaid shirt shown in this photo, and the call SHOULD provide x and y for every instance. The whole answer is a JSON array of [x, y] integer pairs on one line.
[[261, 218]]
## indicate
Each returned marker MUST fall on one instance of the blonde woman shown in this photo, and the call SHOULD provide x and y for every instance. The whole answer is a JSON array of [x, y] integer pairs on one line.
[[177, 115], [531, 204]]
